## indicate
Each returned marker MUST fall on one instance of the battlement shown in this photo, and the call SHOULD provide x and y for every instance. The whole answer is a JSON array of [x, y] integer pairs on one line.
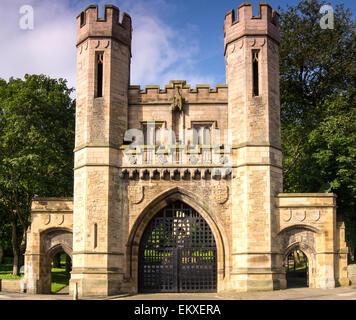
[[91, 26], [246, 24], [152, 94]]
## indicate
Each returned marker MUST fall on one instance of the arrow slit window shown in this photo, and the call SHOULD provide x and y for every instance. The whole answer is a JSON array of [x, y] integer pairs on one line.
[[99, 74], [95, 235], [255, 72]]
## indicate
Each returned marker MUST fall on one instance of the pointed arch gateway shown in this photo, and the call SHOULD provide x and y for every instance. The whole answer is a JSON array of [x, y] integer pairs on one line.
[[176, 245], [177, 252]]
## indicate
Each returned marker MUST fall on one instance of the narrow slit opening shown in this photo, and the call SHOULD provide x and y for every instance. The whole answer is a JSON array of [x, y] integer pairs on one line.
[[255, 72], [82, 19], [100, 69], [95, 235]]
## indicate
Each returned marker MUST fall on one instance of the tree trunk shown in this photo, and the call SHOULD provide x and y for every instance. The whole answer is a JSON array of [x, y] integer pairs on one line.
[[15, 247], [1, 254], [296, 257], [57, 261], [68, 264]]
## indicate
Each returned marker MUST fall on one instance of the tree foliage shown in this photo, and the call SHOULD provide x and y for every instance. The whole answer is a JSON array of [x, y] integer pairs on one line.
[[318, 115], [36, 147]]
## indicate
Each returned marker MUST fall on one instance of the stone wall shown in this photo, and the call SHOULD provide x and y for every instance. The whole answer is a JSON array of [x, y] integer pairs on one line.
[[351, 273], [13, 286], [202, 104]]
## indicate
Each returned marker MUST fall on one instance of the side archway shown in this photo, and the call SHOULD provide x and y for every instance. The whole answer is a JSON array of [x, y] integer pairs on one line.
[[161, 201], [301, 238], [53, 241]]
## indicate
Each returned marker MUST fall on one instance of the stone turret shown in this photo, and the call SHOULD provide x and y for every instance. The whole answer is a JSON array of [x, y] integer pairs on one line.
[[252, 72], [103, 77], [265, 24], [91, 26]]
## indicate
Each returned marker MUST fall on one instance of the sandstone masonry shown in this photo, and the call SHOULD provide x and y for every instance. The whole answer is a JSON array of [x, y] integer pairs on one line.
[[230, 172]]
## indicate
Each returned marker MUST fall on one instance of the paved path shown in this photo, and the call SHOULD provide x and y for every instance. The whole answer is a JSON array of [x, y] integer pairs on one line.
[[348, 293]]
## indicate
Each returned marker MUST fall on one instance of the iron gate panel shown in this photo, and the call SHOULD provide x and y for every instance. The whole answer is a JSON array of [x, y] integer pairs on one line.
[[177, 252]]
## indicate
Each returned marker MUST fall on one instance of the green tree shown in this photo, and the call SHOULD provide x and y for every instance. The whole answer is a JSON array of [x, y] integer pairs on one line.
[[36, 148], [317, 81]]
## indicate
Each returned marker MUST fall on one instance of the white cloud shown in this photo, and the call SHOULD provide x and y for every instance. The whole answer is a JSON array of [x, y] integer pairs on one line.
[[49, 48], [160, 52]]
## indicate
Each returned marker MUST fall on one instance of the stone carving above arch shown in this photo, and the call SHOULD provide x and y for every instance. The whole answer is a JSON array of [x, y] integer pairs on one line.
[[300, 215], [56, 239], [297, 215], [287, 215], [304, 237], [220, 193], [60, 219], [46, 219], [315, 215], [135, 194]]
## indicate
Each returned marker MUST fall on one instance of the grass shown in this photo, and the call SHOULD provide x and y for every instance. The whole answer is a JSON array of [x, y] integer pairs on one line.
[[60, 279], [6, 272]]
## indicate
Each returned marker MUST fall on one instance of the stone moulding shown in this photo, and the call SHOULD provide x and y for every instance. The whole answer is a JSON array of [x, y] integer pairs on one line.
[[165, 173], [306, 195]]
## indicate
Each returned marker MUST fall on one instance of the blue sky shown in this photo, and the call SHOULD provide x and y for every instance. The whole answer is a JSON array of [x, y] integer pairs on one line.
[[172, 39]]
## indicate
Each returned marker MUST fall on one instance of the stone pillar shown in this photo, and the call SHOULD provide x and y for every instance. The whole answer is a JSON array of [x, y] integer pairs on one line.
[[252, 71], [33, 259], [342, 251], [101, 122], [326, 247]]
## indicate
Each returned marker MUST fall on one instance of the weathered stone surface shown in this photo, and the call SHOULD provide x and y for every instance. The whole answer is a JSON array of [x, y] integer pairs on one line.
[[11, 286], [351, 273]]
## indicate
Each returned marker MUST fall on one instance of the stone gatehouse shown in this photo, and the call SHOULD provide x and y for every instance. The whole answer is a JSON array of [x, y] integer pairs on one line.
[[179, 189]]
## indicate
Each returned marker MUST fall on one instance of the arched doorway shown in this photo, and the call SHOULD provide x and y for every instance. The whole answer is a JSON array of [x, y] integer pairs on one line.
[[177, 252], [54, 241], [297, 269], [61, 267]]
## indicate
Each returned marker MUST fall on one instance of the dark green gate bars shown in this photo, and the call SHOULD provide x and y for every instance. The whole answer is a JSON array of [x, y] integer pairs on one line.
[[177, 252]]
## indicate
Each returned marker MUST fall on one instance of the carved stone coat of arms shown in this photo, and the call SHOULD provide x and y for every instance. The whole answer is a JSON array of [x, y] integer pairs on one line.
[[135, 194], [220, 193]]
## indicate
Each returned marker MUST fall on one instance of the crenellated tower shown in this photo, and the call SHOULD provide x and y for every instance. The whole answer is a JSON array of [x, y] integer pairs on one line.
[[103, 77], [251, 45]]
